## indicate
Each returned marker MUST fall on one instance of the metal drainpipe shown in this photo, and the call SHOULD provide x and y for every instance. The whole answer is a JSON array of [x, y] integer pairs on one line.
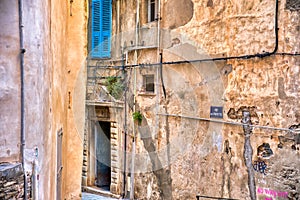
[[134, 100], [22, 52], [158, 69], [125, 129]]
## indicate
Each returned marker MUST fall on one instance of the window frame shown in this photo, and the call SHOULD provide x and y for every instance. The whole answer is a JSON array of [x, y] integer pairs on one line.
[[146, 84], [150, 10], [100, 29]]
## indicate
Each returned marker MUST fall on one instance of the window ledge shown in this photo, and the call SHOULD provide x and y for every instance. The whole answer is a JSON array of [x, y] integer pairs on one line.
[[147, 94], [149, 25]]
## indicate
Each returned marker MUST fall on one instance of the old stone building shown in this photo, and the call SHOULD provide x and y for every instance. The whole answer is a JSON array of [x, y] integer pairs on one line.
[[42, 59], [150, 99], [193, 97]]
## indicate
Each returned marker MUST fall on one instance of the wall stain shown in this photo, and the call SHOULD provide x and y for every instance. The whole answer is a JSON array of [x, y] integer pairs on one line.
[[238, 114], [178, 13], [227, 166], [290, 140], [162, 174], [281, 90], [210, 3], [264, 151], [248, 152]]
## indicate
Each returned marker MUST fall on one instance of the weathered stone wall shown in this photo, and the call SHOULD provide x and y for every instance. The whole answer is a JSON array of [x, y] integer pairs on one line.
[[11, 181], [213, 163]]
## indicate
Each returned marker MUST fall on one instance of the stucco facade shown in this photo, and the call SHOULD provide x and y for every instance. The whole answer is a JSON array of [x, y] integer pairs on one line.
[[53, 58], [179, 149]]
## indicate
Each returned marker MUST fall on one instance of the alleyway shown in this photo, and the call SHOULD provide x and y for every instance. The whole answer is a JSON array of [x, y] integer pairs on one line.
[[88, 196]]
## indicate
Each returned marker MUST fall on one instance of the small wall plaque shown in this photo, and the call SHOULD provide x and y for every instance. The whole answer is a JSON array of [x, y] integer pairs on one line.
[[102, 112], [216, 112]]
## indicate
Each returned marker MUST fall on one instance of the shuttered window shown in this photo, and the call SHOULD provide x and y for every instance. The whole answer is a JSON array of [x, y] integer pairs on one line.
[[100, 28]]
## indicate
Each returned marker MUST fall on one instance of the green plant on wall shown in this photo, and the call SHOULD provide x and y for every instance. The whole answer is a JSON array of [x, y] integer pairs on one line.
[[137, 116], [114, 86]]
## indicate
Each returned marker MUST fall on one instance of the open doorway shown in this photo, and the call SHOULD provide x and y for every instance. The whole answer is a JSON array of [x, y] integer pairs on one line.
[[103, 156]]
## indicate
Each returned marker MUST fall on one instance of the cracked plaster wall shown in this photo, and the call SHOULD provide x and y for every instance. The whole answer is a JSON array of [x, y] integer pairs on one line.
[[214, 164]]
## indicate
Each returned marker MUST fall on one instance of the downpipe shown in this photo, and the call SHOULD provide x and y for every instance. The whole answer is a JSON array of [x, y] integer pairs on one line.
[[35, 175], [22, 52]]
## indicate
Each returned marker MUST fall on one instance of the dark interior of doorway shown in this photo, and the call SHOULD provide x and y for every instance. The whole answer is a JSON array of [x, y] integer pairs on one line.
[[103, 153]]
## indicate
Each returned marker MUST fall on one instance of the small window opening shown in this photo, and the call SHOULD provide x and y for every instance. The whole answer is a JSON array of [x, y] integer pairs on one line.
[[148, 83], [152, 10]]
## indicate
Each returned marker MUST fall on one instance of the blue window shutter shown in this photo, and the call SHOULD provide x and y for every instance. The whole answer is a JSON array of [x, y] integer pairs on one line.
[[101, 28]]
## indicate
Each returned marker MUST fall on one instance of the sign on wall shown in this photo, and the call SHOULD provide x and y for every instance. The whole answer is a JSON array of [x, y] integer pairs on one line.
[[216, 112]]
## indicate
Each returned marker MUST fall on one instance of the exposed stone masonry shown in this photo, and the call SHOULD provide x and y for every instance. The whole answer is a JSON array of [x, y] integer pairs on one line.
[[293, 4], [85, 160], [115, 179], [11, 181]]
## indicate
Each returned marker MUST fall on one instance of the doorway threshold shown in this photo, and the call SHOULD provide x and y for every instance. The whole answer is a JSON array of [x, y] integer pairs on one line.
[[99, 191]]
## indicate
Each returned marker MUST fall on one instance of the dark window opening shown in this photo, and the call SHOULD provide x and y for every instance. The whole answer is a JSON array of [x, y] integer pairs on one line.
[[152, 10], [148, 82]]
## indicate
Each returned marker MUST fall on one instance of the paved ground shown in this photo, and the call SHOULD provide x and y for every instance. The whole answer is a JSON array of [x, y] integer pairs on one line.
[[88, 196]]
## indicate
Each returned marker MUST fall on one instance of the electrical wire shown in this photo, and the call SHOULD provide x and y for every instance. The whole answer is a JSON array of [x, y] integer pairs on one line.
[[243, 57], [227, 122]]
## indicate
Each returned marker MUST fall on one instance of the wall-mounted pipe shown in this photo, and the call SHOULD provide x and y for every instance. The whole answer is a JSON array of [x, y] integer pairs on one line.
[[22, 99], [125, 131], [137, 24], [157, 79]]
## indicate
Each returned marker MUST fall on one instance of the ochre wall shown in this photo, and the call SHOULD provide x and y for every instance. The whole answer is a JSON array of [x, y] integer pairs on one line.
[[55, 44], [76, 83]]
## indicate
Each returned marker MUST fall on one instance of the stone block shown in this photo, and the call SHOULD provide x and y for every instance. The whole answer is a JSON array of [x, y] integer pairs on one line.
[[85, 163], [114, 164], [114, 189], [114, 142], [114, 180], [113, 125], [84, 180], [9, 171], [114, 169], [84, 168], [114, 130], [8, 184], [114, 175], [85, 158]]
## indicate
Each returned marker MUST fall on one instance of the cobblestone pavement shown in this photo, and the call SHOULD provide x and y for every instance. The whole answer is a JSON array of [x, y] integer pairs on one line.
[[88, 196]]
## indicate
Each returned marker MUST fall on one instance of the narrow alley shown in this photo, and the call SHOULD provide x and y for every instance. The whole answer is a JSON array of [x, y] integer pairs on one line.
[[149, 99]]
